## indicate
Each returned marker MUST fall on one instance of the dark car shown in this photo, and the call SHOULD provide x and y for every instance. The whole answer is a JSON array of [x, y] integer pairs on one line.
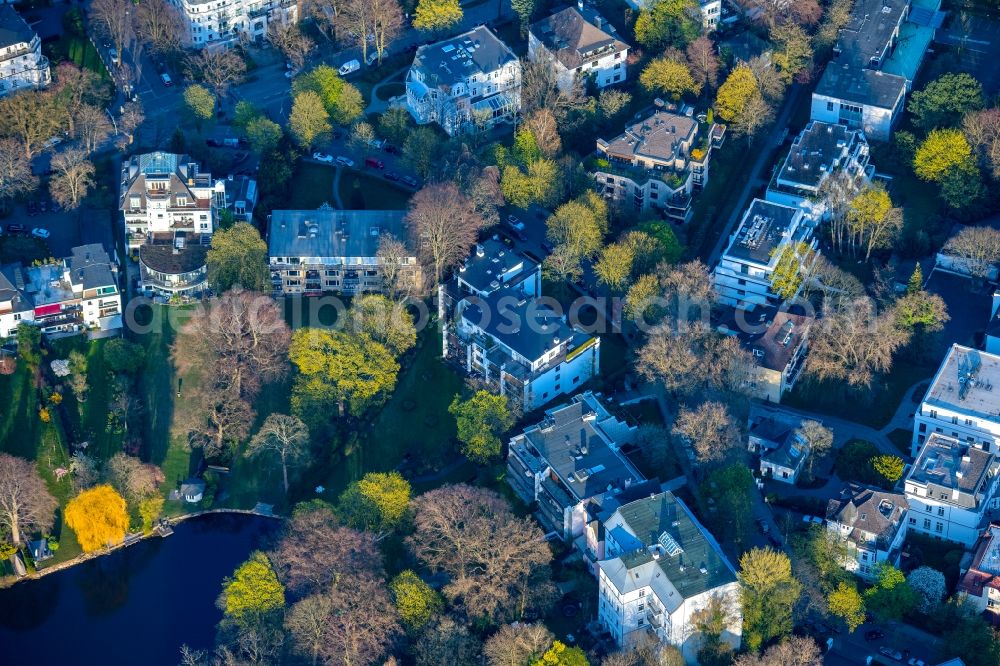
[[874, 635], [15, 228], [213, 143], [410, 181], [391, 149], [391, 175], [42, 205], [32, 208]]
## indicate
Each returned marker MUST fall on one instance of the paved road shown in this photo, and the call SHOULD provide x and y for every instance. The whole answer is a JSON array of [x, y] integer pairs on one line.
[[765, 147]]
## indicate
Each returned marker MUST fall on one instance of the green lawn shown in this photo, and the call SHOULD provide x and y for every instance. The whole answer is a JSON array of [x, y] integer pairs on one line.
[[19, 423], [360, 191], [312, 186], [78, 50]]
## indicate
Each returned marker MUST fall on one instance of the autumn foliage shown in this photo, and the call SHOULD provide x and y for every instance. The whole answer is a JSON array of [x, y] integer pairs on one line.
[[98, 517]]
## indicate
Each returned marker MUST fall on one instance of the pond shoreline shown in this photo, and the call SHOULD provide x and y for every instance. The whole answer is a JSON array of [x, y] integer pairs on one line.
[[86, 557]]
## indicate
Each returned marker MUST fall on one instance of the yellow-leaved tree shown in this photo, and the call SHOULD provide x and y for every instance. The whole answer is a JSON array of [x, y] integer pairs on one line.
[[98, 516], [435, 15]]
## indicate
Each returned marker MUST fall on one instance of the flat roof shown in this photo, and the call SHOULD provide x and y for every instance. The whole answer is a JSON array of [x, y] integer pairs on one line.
[[572, 37], [668, 540], [946, 464], [493, 264], [573, 440], [867, 87], [454, 60], [328, 233], [815, 152], [45, 285], [761, 231], [168, 259], [870, 29], [658, 136], [968, 381]]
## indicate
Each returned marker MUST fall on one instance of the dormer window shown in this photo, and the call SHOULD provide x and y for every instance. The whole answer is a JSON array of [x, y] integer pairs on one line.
[[182, 200], [135, 201]]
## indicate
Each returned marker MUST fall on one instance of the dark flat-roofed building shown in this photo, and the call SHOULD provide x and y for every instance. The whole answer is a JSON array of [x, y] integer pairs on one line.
[[327, 250], [579, 43]]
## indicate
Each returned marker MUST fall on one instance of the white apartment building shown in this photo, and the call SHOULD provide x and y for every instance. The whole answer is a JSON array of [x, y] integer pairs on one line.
[[711, 11], [950, 488], [657, 163], [578, 43], [980, 584], [872, 522], [568, 459], [744, 275], [961, 402], [315, 251], [500, 332], [822, 153], [660, 568], [465, 84], [876, 58], [78, 293], [778, 340], [215, 23], [22, 65]]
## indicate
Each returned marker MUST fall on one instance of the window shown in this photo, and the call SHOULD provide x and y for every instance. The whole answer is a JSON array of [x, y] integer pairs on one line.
[[642, 621], [913, 521], [933, 413], [927, 508], [939, 528], [618, 56], [642, 593], [927, 523], [940, 510], [829, 106]]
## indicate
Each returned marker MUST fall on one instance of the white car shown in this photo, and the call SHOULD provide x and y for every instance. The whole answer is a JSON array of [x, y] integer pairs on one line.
[[323, 157], [348, 67], [345, 161], [38, 232], [372, 57]]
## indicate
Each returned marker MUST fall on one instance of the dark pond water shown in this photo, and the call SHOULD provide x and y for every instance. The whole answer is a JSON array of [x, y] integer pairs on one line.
[[134, 606]]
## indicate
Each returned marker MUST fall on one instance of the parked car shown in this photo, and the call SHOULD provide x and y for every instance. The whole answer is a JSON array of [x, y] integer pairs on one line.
[[113, 54], [53, 142], [38, 232], [15, 228], [890, 653], [374, 163], [391, 175], [42, 205], [391, 149], [167, 81], [345, 161], [377, 143], [291, 73], [372, 57], [348, 67], [409, 181], [32, 209], [323, 157], [515, 223], [913, 661]]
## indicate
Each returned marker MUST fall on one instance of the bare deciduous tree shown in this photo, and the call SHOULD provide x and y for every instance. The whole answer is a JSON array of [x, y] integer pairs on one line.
[[703, 62], [73, 178], [445, 641], [92, 126], [113, 20], [709, 429], [978, 248], [315, 552], [25, 501], [291, 41], [159, 24], [542, 125], [399, 277], [130, 120], [76, 88], [16, 178], [387, 23], [31, 117], [853, 343], [540, 90], [982, 129], [364, 624], [777, 12], [488, 552], [793, 651], [517, 644], [306, 622], [695, 359], [284, 436], [133, 478], [219, 68]]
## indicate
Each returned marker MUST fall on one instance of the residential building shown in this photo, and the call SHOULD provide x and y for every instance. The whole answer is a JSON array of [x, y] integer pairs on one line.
[[76, 294], [769, 234], [980, 584], [960, 401], [568, 459], [711, 11], [224, 23], [579, 44], [873, 524], [327, 250], [238, 196], [661, 568], [782, 453], [822, 156], [876, 59], [22, 65], [657, 163], [465, 83], [778, 339], [949, 489], [492, 266]]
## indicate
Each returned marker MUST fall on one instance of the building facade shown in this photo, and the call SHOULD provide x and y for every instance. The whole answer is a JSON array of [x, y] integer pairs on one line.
[[822, 156], [657, 164], [223, 23], [79, 293], [465, 84], [326, 250], [770, 235], [949, 489], [872, 522], [710, 10], [661, 567], [980, 583], [960, 401], [571, 457], [579, 44], [22, 65]]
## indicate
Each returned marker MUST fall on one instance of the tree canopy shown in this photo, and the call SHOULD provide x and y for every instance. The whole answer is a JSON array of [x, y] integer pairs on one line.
[[98, 517], [437, 15], [664, 23], [253, 591], [942, 151], [341, 100], [377, 502], [415, 600], [238, 258], [769, 592], [670, 77], [480, 421], [943, 101]]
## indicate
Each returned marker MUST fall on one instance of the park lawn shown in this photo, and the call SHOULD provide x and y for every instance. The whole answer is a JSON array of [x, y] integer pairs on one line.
[[312, 186], [360, 191], [415, 420], [19, 422], [78, 50]]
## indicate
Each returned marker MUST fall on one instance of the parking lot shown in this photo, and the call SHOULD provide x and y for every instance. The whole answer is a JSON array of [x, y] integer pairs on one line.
[[65, 229]]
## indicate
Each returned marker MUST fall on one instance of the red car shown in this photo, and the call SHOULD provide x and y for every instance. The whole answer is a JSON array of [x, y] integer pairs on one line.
[[374, 163]]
